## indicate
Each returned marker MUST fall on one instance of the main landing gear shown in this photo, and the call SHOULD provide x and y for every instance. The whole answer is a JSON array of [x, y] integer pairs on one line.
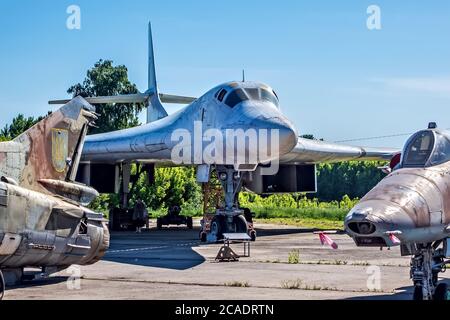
[[426, 264], [231, 218]]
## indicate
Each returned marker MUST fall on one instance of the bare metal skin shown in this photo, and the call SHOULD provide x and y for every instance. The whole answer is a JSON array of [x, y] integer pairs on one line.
[[411, 208], [43, 221]]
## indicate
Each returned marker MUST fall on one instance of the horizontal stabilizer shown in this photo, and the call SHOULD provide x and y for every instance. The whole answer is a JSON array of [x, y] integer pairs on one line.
[[131, 98], [168, 98]]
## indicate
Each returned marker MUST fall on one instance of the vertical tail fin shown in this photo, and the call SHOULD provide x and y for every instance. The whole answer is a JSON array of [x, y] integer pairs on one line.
[[51, 149], [155, 110]]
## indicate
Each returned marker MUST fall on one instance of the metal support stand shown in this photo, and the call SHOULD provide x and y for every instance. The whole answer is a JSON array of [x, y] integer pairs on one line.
[[227, 254]]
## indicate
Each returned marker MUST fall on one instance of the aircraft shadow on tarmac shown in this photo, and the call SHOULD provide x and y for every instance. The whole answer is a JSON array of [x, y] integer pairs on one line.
[[170, 248], [39, 282]]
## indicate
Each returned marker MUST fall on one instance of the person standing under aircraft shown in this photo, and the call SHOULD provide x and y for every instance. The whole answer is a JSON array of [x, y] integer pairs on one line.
[[139, 215]]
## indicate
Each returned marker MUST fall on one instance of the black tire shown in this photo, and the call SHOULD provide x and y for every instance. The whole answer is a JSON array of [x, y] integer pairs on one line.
[[418, 293], [253, 236], [440, 294], [159, 223], [248, 215], [241, 224], [190, 223], [217, 227], [203, 236]]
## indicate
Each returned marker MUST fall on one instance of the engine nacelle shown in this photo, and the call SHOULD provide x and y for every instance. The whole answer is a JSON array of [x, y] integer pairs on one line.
[[289, 179]]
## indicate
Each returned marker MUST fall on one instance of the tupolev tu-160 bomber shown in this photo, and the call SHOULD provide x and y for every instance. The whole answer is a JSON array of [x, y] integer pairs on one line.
[[224, 153]]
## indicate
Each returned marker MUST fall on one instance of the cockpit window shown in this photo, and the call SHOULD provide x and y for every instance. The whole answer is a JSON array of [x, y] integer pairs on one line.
[[275, 95], [441, 151], [253, 93], [262, 95], [239, 95], [221, 94], [419, 150], [269, 96], [235, 97]]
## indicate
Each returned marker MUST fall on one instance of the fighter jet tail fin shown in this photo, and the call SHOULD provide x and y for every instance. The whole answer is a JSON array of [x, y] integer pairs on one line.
[[52, 148]]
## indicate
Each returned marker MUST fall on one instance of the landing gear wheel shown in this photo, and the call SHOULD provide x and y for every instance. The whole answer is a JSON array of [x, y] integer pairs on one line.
[[217, 228], [248, 215], [418, 293], [253, 236], [190, 223], [440, 294], [159, 224], [203, 236], [2, 286], [240, 224]]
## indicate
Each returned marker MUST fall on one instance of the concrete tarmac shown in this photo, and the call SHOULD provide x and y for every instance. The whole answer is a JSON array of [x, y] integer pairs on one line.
[[172, 264]]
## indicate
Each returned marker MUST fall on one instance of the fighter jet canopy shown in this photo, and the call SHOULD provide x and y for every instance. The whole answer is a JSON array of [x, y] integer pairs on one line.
[[427, 148]]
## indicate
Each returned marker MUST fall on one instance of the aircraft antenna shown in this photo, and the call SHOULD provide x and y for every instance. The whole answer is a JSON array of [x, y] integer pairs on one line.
[[243, 75]]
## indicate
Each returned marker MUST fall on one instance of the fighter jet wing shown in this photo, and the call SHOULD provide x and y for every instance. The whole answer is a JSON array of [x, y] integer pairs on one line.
[[314, 151]]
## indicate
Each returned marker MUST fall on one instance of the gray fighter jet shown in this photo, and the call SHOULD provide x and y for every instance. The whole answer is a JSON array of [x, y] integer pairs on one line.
[[43, 219], [236, 129], [411, 208]]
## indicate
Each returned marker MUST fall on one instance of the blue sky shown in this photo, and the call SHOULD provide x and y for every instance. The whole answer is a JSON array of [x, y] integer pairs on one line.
[[336, 79]]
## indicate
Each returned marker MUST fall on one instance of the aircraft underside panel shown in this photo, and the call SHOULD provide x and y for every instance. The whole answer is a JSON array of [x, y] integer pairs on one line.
[[101, 177], [290, 178]]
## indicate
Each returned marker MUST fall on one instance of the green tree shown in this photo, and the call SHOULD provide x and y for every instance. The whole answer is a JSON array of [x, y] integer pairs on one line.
[[172, 186], [19, 125], [354, 178], [308, 136], [104, 79]]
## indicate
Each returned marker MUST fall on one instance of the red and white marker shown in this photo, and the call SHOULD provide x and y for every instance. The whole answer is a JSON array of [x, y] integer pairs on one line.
[[394, 239], [324, 239]]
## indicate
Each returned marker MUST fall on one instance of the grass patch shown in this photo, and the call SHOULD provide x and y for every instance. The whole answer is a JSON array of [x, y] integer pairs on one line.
[[294, 257], [292, 284], [333, 214], [305, 223], [237, 284]]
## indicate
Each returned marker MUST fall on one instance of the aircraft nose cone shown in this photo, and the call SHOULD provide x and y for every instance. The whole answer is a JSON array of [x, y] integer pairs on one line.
[[288, 138], [287, 135], [371, 222]]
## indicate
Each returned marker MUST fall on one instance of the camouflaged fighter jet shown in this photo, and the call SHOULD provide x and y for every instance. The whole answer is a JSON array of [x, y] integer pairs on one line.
[[411, 208], [243, 108], [43, 221]]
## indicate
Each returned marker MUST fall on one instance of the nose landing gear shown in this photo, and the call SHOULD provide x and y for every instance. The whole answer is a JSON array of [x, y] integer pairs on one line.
[[230, 218], [426, 264]]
